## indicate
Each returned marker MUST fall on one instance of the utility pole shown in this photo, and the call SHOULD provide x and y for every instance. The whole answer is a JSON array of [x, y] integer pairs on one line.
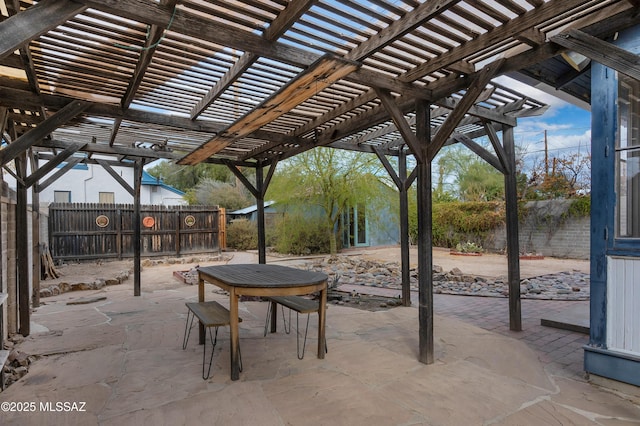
[[546, 156]]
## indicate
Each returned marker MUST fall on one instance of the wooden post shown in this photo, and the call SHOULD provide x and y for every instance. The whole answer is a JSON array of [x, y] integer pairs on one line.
[[119, 242], [425, 238], [137, 181], [22, 247], [35, 233], [404, 229], [262, 239], [513, 246], [178, 222]]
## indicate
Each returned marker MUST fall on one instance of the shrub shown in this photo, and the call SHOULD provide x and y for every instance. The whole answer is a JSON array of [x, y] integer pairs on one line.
[[469, 247], [580, 207], [242, 234], [299, 235], [454, 223]]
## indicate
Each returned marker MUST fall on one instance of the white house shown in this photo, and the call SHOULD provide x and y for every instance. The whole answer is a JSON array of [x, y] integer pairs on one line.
[[91, 183]]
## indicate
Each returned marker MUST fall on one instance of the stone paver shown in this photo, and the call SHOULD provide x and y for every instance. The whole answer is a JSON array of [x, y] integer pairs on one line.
[[130, 368]]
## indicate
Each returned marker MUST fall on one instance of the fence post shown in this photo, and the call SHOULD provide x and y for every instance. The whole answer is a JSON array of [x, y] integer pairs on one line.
[[178, 225]]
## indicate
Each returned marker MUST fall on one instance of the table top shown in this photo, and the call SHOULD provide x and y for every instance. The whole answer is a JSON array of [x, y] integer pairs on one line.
[[261, 275]]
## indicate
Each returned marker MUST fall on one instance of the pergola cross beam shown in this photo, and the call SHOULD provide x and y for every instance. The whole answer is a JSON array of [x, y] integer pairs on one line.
[[24, 142], [470, 97], [600, 51], [280, 24], [52, 164], [117, 177], [25, 26], [479, 150], [39, 187], [401, 123], [326, 71]]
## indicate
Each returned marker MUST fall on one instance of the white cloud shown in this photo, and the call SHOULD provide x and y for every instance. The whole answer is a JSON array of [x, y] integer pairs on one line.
[[581, 142], [527, 90]]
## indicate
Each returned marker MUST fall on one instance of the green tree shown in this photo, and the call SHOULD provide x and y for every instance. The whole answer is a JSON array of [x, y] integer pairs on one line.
[[328, 178], [469, 176], [212, 192], [479, 181], [185, 178]]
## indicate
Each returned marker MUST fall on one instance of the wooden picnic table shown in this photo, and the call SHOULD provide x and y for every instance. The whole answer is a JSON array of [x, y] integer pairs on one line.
[[262, 280]]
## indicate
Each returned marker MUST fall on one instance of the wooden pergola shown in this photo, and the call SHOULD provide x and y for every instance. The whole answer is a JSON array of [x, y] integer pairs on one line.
[[251, 83]]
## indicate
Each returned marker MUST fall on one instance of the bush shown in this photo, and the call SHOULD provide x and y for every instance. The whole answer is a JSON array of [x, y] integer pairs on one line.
[[242, 234], [580, 207], [299, 235], [459, 222], [469, 247]]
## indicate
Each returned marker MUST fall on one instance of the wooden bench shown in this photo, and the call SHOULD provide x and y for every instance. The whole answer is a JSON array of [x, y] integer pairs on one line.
[[301, 305], [209, 314]]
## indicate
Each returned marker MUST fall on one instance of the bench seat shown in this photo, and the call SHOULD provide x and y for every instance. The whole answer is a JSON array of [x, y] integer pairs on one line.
[[299, 304], [209, 314]]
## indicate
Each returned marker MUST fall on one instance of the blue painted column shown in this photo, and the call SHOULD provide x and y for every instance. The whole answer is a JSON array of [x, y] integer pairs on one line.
[[603, 130]]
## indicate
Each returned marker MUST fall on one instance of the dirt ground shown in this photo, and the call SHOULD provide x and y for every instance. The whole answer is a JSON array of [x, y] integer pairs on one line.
[[159, 274], [161, 277]]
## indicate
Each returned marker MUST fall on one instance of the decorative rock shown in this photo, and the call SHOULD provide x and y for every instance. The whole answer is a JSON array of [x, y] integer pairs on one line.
[[16, 338], [20, 372], [80, 286], [572, 285], [18, 358]]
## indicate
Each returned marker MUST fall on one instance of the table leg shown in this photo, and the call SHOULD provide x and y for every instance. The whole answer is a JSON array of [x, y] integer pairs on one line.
[[322, 314], [201, 332], [233, 333], [274, 316]]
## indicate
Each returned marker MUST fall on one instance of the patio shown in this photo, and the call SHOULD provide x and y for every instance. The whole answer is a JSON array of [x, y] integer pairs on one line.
[[123, 357]]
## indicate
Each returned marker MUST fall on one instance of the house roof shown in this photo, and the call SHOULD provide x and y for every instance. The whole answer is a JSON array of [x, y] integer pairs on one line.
[[147, 179], [250, 209], [251, 83]]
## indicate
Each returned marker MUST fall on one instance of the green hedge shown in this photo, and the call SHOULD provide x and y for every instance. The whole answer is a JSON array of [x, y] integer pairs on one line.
[[460, 222]]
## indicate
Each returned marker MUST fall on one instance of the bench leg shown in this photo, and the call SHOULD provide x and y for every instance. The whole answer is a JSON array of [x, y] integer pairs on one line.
[[214, 340], [304, 344], [272, 315], [187, 329]]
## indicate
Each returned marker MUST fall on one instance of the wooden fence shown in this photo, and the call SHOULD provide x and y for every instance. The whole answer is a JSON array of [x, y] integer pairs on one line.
[[86, 231]]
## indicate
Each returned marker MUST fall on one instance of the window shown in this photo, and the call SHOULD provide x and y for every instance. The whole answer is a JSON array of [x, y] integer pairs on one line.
[[61, 196], [628, 158], [106, 197]]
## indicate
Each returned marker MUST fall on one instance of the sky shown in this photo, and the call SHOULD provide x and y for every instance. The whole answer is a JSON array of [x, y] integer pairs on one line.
[[568, 126]]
